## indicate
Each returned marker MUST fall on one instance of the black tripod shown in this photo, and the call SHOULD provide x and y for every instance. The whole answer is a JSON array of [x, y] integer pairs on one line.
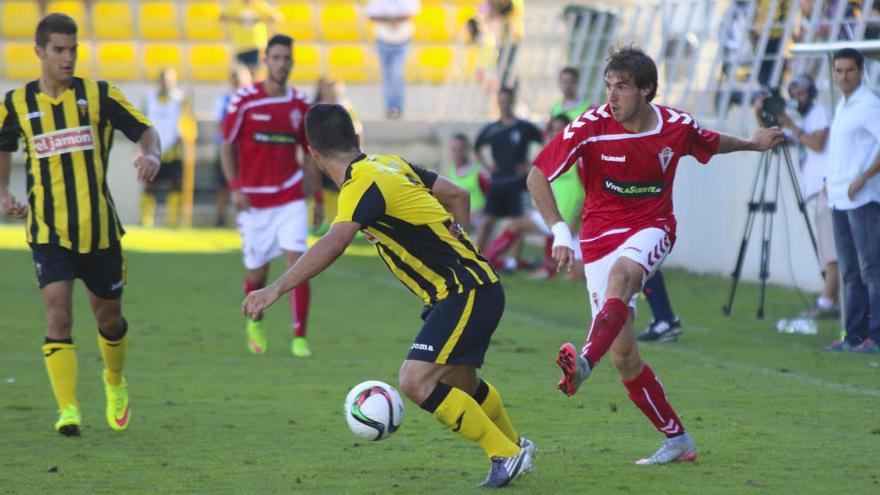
[[769, 169]]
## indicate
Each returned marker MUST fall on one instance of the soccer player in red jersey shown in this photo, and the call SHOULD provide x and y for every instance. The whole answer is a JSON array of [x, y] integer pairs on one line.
[[264, 160], [630, 148]]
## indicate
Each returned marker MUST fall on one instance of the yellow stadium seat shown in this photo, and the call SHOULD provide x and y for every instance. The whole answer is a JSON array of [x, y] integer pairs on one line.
[[73, 8], [84, 59], [350, 63], [21, 61], [159, 21], [432, 64], [308, 63], [299, 21], [472, 3], [341, 23], [19, 19], [158, 56], [115, 18], [432, 24], [117, 61], [462, 14], [209, 62], [202, 21]]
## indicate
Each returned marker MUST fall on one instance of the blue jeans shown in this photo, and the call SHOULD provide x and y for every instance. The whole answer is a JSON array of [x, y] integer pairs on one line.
[[391, 61], [857, 237]]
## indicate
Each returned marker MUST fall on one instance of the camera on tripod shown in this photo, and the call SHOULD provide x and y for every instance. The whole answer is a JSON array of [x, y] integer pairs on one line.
[[773, 105]]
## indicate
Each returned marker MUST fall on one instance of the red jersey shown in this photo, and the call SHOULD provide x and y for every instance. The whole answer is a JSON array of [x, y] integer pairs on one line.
[[627, 177], [267, 131]]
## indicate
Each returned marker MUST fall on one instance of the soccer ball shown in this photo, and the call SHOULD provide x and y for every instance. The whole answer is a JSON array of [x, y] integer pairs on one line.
[[373, 410]]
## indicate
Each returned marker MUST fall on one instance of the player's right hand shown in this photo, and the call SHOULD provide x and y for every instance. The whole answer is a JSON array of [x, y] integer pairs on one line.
[[564, 257], [12, 207], [256, 301], [239, 200]]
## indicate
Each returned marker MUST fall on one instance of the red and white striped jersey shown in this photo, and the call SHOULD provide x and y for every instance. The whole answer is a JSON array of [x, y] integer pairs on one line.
[[627, 177], [267, 131]]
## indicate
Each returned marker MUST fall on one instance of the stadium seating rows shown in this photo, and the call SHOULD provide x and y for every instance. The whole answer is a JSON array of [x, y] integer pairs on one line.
[[127, 40]]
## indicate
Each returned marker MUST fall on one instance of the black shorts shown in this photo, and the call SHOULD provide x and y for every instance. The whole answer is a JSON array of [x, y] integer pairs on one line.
[[457, 330], [249, 59], [171, 172], [103, 271], [505, 197]]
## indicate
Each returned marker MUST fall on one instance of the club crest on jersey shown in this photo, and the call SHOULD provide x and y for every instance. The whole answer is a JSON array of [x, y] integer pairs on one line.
[[82, 105], [296, 118], [665, 157]]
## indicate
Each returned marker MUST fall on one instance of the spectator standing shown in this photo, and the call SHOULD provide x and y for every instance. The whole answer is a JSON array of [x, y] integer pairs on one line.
[[394, 31], [250, 22], [166, 109], [509, 138], [854, 197]]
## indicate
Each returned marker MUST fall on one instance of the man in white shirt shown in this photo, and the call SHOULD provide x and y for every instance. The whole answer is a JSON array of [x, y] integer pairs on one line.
[[812, 132], [394, 30], [854, 196]]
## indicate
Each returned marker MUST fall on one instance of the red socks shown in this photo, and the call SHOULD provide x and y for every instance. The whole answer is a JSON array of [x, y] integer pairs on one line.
[[299, 308], [647, 393], [606, 327], [499, 245], [249, 287]]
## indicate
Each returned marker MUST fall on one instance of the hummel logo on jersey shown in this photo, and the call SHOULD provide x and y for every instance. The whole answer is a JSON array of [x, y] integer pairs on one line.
[[612, 158], [261, 117], [423, 347]]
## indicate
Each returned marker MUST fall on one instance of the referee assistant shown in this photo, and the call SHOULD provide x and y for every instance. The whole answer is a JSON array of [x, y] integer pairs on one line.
[[66, 124]]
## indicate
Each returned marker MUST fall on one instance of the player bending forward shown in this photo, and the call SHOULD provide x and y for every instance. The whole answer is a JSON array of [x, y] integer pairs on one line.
[[418, 222], [630, 149]]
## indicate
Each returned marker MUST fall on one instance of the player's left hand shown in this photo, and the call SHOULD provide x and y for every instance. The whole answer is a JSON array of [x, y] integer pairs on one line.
[[766, 138], [317, 215], [255, 302], [147, 167], [854, 187]]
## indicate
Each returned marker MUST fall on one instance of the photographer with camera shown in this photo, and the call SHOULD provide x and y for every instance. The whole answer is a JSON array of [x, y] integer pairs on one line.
[[810, 131]]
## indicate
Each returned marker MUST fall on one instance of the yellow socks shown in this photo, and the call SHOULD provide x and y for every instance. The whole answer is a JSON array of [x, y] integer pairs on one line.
[[113, 352], [60, 358], [490, 400], [148, 209], [173, 204], [459, 411]]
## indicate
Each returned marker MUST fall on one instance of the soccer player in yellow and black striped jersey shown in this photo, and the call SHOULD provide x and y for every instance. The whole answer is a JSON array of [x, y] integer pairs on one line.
[[418, 222], [66, 125]]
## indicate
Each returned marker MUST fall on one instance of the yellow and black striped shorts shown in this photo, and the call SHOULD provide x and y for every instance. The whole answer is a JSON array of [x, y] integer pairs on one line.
[[457, 330]]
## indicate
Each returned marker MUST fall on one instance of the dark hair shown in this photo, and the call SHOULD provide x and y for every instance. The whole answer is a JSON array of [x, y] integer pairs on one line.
[[635, 63], [461, 137], [279, 39], [509, 90], [562, 118], [852, 54], [54, 24], [330, 129], [571, 70]]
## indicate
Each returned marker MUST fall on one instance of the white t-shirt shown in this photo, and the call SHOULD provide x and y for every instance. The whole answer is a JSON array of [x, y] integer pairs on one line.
[[853, 145], [815, 163], [393, 32]]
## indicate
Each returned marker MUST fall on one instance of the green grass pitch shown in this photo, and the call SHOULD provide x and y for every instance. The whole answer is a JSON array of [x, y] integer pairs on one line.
[[771, 413]]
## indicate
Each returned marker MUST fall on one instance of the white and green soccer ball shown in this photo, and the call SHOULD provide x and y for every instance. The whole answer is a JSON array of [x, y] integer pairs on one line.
[[373, 410]]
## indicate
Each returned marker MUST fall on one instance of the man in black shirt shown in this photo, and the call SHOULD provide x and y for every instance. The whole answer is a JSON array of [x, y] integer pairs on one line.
[[509, 138]]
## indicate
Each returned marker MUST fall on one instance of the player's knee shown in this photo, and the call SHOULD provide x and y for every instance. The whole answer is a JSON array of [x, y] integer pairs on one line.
[[415, 386], [59, 322]]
